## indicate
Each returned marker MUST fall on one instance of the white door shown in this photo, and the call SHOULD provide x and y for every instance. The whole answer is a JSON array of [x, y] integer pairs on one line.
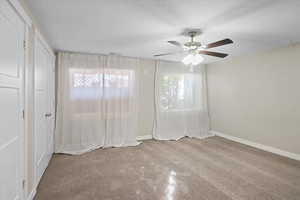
[[12, 33], [50, 113], [50, 103], [43, 139]]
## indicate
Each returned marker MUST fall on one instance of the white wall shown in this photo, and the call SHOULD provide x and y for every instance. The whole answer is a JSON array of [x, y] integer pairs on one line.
[[257, 98]]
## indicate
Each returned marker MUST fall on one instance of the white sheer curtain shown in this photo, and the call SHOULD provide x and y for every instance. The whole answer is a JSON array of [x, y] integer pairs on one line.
[[97, 102], [180, 101]]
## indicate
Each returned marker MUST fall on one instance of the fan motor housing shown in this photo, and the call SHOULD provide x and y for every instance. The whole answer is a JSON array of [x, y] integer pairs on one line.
[[192, 44]]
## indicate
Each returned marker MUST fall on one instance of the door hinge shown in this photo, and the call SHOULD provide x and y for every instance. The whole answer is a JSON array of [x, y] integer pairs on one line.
[[23, 114], [24, 44], [23, 184]]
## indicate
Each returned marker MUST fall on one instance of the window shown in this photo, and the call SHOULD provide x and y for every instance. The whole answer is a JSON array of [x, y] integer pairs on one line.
[[91, 84], [179, 92]]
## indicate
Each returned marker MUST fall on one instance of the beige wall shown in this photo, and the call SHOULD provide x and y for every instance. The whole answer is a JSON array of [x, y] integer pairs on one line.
[[257, 98]]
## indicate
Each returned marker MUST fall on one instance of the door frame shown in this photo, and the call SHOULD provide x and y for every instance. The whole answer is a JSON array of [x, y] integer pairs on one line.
[[28, 92]]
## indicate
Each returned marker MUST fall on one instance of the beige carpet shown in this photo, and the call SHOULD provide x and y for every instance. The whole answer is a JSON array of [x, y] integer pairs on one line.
[[211, 169]]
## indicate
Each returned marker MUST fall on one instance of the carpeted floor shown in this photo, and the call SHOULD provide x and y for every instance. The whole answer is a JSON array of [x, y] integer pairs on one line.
[[211, 169]]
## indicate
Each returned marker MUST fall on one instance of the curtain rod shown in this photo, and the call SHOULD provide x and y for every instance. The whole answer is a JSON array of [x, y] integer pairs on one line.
[[100, 54]]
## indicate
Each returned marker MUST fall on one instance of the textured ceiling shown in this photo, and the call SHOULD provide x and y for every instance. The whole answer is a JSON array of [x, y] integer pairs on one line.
[[140, 28]]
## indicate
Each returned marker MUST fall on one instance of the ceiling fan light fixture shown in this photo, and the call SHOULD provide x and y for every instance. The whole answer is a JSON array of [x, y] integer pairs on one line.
[[193, 59], [194, 48], [187, 59], [197, 59]]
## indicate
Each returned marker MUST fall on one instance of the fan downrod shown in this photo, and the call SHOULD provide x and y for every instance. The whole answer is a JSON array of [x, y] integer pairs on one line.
[[192, 44]]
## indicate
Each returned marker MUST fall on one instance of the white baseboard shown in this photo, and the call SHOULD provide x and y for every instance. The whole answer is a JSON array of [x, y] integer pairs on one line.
[[207, 136], [144, 137], [31, 195], [258, 146], [149, 137]]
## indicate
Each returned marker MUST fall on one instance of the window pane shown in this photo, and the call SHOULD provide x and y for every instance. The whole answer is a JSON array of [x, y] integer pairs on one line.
[[180, 92]]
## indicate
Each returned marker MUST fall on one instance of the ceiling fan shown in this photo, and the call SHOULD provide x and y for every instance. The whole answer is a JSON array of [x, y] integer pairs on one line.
[[195, 48]]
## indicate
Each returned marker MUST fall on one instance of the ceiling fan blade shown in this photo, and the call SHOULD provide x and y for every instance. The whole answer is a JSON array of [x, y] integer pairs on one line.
[[175, 43], [216, 54], [166, 54], [218, 43]]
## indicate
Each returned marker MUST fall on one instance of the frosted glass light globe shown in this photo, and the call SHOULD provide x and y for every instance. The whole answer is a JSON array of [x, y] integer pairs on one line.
[[193, 59]]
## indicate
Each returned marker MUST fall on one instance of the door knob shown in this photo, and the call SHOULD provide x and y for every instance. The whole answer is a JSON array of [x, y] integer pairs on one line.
[[48, 115]]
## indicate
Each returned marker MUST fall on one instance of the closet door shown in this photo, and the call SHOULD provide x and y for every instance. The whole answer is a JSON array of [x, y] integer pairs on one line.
[[50, 114], [43, 114], [11, 102]]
